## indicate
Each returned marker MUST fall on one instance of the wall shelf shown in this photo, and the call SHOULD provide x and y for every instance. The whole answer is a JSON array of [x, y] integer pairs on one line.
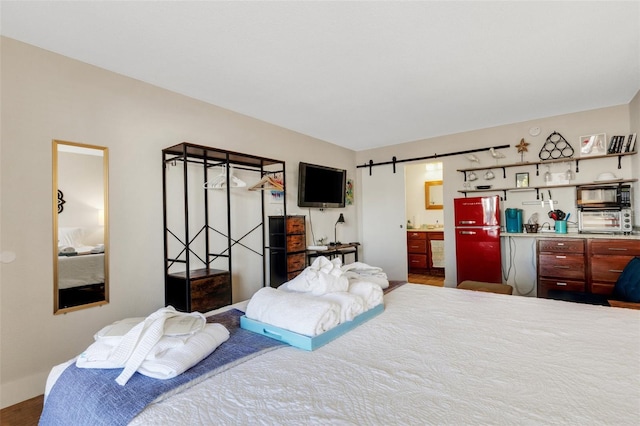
[[545, 162], [549, 187]]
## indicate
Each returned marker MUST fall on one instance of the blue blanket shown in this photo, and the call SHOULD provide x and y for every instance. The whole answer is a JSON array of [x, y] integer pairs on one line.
[[92, 397]]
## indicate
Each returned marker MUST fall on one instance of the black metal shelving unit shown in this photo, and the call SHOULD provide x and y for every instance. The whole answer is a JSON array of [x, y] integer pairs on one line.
[[191, 283]]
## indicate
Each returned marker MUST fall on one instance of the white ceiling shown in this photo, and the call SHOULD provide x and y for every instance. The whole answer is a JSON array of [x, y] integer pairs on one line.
[[357, 74]]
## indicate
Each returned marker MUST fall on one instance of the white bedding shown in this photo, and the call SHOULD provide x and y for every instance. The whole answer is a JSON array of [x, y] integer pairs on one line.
[[75, 271], [438, 356]]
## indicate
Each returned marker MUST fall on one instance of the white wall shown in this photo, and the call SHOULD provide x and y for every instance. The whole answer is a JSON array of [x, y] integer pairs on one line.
[[612, 121], [415, 177], [46, 96]]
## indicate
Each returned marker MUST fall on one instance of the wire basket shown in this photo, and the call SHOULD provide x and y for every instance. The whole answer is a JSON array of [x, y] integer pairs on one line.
[[531, 228]]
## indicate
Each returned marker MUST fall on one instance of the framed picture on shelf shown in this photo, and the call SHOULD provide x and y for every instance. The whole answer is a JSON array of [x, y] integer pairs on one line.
[[522, 180], [593, 145]]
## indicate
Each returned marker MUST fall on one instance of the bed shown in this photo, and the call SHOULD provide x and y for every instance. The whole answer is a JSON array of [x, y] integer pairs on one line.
[[436, 356], [80, 270]]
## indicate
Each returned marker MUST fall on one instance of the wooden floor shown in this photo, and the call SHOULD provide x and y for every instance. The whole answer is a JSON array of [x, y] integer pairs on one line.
[[437, 280], [25, 413]]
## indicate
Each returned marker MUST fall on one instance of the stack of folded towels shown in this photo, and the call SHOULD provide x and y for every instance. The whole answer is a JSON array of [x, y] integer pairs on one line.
[[321, 297]]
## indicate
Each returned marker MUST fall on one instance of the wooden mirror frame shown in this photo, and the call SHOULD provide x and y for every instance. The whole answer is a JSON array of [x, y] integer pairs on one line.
[[429, 193], [101, 215]]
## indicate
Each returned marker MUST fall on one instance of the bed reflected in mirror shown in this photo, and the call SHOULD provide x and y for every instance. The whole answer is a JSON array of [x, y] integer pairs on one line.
[[80, 226]]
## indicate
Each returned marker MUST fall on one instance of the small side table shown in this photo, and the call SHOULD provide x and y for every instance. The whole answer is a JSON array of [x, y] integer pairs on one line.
[[333, 251]]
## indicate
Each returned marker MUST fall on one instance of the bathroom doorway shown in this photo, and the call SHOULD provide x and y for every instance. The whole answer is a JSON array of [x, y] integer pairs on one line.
[[425, 221]]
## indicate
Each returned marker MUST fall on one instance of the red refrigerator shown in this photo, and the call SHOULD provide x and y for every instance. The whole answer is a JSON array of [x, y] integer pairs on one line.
[[477, 225]]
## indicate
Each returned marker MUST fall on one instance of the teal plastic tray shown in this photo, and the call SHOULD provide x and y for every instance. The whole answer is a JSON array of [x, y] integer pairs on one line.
[[308, 343]]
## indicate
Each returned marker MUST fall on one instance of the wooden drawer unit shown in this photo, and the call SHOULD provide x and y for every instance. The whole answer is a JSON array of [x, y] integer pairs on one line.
[[207, 289], [417, 252], [287, 247], [561, 265], [607, 259]]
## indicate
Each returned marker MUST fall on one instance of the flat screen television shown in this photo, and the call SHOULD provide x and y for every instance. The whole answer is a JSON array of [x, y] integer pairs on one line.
[[320, 186]]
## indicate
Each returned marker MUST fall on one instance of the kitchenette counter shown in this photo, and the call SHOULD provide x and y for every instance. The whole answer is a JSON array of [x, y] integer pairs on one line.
[[538, 235], [425, 229]]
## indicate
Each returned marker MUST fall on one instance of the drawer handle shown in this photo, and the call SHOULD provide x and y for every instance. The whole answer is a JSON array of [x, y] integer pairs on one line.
[[616, 270], [561, 244], [561, 267], [561, 257], [618, 248], [467, 233], [561, 284]]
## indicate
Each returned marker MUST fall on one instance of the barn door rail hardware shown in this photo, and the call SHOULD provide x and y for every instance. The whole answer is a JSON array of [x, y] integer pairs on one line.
[[395, 161]]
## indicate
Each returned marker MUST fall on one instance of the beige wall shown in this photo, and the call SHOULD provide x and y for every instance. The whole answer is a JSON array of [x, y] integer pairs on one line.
[[46, 96], [613, 121]]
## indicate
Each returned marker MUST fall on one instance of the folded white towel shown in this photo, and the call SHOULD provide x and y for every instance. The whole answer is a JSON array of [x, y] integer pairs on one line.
[[323, 276], [371, 293], [351, 305], [362, 271], [163, 345], [297, 312]]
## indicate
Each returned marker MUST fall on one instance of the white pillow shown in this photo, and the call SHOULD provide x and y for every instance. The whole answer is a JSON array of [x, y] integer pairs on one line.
[[70, 237]]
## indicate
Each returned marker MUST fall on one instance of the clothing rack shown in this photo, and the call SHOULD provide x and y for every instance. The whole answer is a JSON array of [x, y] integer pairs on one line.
[[395, 161], [187, 252]]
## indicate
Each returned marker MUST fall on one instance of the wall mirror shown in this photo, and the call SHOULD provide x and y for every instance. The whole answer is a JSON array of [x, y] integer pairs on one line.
[[433, 195], [80, 226]]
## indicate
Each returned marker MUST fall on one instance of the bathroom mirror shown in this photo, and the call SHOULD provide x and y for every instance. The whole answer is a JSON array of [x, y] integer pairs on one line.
[[433, 195], [80, 226]]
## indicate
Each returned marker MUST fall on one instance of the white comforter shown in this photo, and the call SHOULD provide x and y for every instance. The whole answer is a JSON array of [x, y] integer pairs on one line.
[[438, 356], [75, 271]]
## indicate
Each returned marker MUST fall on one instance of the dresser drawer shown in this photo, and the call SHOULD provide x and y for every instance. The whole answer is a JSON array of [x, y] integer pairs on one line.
[[296, 262], [562, 266], [416, 235], [417, 246], [562, 285], [602, 288], [615, 247], [296, 243], [210, 293], [295, 224], [607, 268], [561, 245], [418, 261]]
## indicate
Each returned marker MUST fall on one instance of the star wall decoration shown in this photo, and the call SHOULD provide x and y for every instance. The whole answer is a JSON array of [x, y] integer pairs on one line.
[[522, 146]]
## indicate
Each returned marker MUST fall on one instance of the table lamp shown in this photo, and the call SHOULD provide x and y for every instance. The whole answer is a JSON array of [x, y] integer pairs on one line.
[[335, 229]]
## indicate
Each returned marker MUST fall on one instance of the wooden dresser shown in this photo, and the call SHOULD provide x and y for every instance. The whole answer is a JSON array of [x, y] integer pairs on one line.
[[582, 269], [420, 252], [607, 259], [561, 265], [287, 248], [201, 290]]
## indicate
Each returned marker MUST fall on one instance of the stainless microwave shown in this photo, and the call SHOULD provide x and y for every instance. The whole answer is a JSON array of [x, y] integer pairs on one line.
[[611, 196]]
